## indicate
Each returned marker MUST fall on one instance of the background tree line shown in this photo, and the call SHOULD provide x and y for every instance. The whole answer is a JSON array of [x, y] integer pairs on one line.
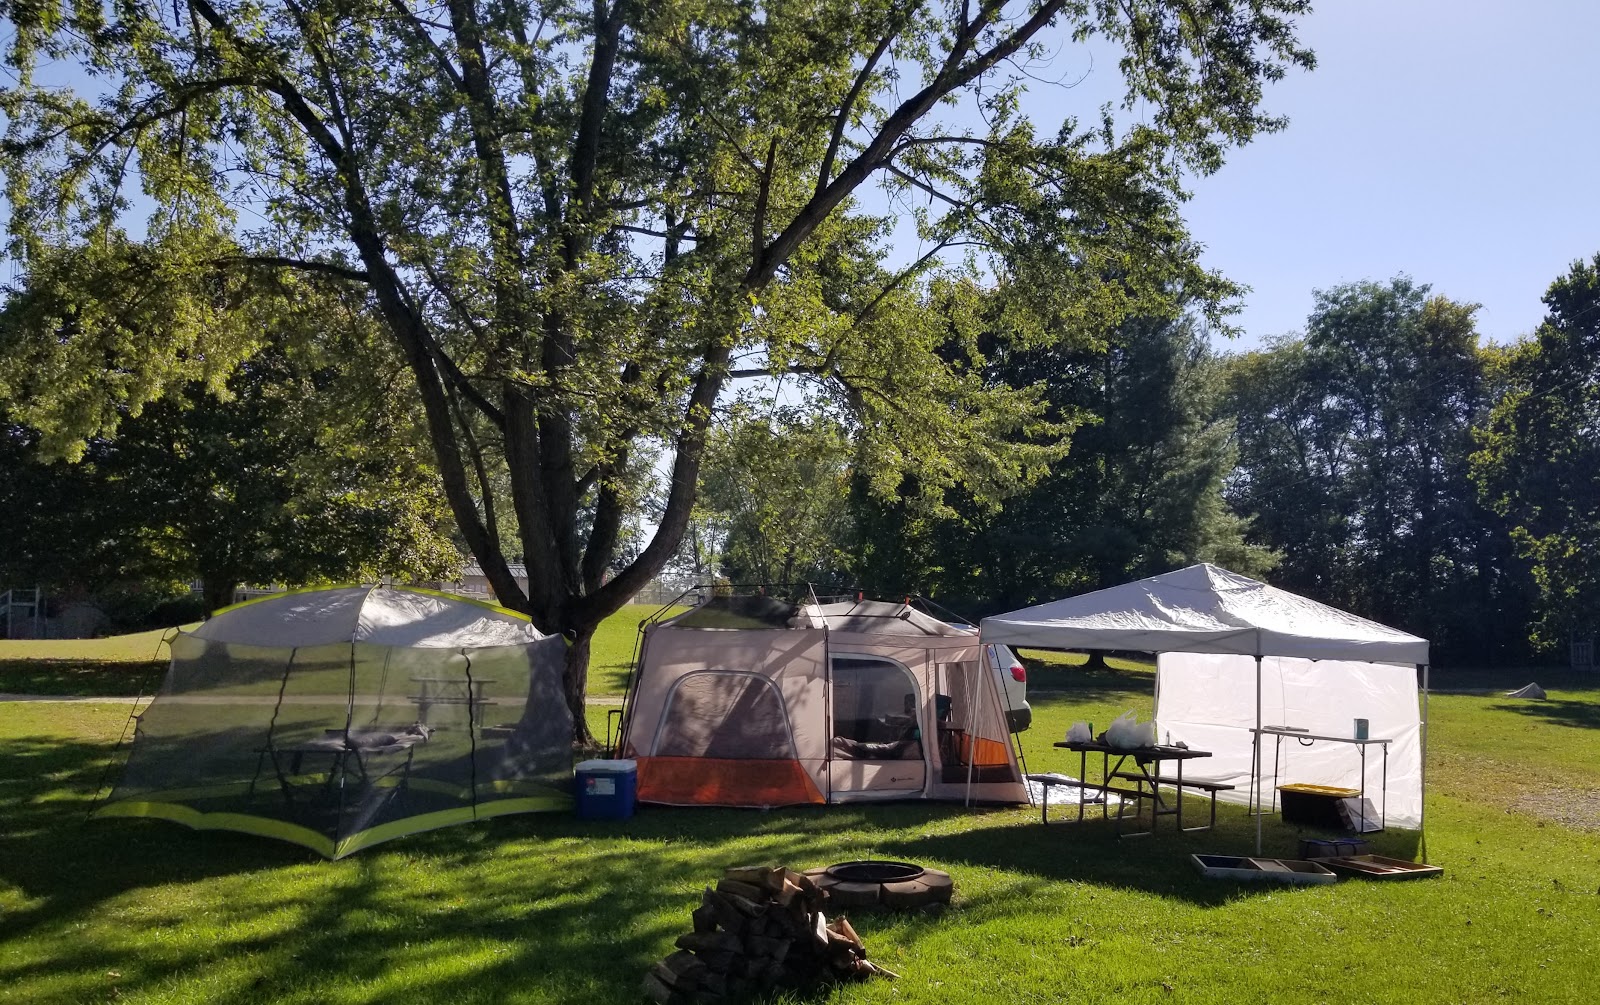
[[1384, 461]]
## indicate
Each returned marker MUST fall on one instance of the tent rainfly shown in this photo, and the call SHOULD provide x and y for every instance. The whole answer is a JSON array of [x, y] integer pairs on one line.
[[339, 718], [1234, 653], [749, 701]]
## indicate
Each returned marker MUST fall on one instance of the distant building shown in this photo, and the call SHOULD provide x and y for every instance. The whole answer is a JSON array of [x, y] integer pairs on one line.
[[475, 584]]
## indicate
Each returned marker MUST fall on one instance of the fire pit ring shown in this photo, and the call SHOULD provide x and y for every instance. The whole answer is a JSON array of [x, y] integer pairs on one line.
[[894, 885], [872, 871]]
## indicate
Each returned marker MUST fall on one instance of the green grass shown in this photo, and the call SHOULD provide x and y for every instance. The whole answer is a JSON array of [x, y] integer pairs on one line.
[[119, 665], [548, 909], [611, 652]]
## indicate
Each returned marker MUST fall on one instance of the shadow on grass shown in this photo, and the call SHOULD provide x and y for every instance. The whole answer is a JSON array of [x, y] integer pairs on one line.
[[113, 678], [1556, 711], [1501, 680], [476, 913], [1047, 681], [488, 912], [1157, 864]]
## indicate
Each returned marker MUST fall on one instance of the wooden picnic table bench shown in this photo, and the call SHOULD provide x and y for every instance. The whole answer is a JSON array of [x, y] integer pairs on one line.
[[1180, 783]]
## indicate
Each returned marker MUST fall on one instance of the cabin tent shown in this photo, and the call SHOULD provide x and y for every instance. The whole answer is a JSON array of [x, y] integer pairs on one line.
[[756, 702], [339, 718], [1234, 654]]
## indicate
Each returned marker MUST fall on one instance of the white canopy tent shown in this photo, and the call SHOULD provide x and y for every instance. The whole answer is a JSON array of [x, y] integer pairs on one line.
[[1312, 666]]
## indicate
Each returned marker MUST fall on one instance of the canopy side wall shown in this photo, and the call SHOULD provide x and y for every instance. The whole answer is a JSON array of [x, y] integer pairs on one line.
[[1209, 702]]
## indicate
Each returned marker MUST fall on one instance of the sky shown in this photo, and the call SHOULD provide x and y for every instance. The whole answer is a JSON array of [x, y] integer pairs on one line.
[[1458, 143]]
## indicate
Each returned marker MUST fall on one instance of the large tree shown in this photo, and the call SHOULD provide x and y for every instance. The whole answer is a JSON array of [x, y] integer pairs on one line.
[[580, 222], [1538, 462]]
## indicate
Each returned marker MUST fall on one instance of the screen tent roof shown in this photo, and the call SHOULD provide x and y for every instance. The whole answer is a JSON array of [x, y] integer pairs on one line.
[[383, 616], [1204, 609]]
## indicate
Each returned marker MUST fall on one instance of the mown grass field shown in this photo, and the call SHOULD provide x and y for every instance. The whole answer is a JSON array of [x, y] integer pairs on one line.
[[548, 909]]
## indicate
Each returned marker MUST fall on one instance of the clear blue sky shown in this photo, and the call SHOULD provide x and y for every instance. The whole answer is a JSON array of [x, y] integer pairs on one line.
[[1456, 142]]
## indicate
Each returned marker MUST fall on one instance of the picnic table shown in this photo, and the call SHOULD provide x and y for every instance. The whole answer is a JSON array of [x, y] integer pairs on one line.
[[451, 691], [352, 756], [1142, 767]]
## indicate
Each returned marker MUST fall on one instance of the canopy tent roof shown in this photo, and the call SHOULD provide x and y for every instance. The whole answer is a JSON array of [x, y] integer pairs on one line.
[[378, 615], [1204, 609]]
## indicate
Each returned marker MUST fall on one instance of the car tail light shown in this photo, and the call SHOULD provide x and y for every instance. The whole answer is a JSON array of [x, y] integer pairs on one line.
[[1018, 674]]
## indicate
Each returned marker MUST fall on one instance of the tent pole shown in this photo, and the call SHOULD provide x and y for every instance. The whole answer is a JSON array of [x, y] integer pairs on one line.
[[1257, 753], [1422, 808], [972, 725]]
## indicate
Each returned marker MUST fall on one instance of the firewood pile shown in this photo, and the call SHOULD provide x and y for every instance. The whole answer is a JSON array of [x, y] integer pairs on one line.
[[762, 927]]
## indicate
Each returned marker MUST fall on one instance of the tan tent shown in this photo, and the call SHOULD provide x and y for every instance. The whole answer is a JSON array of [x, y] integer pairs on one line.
[[755, 702]]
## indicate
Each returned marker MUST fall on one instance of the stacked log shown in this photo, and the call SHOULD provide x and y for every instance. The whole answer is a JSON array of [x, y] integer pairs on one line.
[[761, 927]]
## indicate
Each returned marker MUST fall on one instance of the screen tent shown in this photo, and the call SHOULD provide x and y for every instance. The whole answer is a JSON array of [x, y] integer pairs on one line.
[[337, 719]]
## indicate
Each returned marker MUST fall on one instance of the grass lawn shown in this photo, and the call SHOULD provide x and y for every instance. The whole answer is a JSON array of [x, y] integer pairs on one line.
[[548, 909]]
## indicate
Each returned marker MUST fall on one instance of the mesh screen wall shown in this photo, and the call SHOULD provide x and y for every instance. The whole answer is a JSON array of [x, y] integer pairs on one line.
[[340, 747]]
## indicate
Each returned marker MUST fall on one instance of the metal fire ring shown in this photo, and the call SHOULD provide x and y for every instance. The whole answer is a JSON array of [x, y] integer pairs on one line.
[[893, 885]]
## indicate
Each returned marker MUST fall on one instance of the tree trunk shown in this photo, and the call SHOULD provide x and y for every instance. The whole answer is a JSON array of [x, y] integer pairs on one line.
[[217, 592], [1096, 661], [575, 684]]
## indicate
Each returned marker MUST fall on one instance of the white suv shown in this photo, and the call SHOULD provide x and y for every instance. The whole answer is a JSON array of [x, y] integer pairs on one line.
[[1012, 677]]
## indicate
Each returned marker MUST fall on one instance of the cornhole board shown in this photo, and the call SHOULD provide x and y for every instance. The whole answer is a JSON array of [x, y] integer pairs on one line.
[[1271, 870], [1381, 867]]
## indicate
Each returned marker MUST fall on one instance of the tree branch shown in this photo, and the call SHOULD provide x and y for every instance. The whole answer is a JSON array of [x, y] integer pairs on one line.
[[300, 264]]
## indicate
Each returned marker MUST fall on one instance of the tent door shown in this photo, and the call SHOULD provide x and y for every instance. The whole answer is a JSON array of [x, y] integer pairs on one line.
[[876, 748]]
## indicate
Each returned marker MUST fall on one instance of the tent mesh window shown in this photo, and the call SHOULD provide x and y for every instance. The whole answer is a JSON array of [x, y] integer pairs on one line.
[[874, 709], [338, 746], [727, 714], [972, 744]]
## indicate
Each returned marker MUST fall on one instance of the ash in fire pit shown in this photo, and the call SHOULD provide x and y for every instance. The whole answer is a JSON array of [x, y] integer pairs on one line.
[[895, 885], [874, 872]]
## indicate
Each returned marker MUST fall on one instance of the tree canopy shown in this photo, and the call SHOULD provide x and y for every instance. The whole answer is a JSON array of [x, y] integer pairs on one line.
[[581, 222], [1353, 444], [304, 466], [1538, 458]]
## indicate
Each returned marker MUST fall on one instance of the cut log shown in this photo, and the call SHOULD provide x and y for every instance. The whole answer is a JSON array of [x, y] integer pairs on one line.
[[850, 933], [762, 946], [714, 983], [704, 919], [685, 964], [656, 991], [710, 942], [786, 893], [680, 982], [757, 875], [747, 891], [819, 930], [727, 914], [721, 963]]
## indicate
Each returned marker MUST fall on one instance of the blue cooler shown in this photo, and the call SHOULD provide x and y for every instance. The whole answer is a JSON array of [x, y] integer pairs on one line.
[[605, 789]]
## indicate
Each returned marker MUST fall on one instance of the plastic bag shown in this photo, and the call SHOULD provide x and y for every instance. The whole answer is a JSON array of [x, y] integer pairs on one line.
[[1079, 733], [1125, 733]]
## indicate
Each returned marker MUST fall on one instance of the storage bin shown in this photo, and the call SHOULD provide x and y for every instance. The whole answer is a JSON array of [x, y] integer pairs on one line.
[[605, 789], [1313, 805]]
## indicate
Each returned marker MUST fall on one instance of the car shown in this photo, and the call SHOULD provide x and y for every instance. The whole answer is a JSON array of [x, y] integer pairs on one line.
[[1012, 678]]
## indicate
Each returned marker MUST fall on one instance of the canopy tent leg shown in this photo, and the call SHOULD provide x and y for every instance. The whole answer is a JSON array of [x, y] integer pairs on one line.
[[1422, 807], [1256, 744]]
